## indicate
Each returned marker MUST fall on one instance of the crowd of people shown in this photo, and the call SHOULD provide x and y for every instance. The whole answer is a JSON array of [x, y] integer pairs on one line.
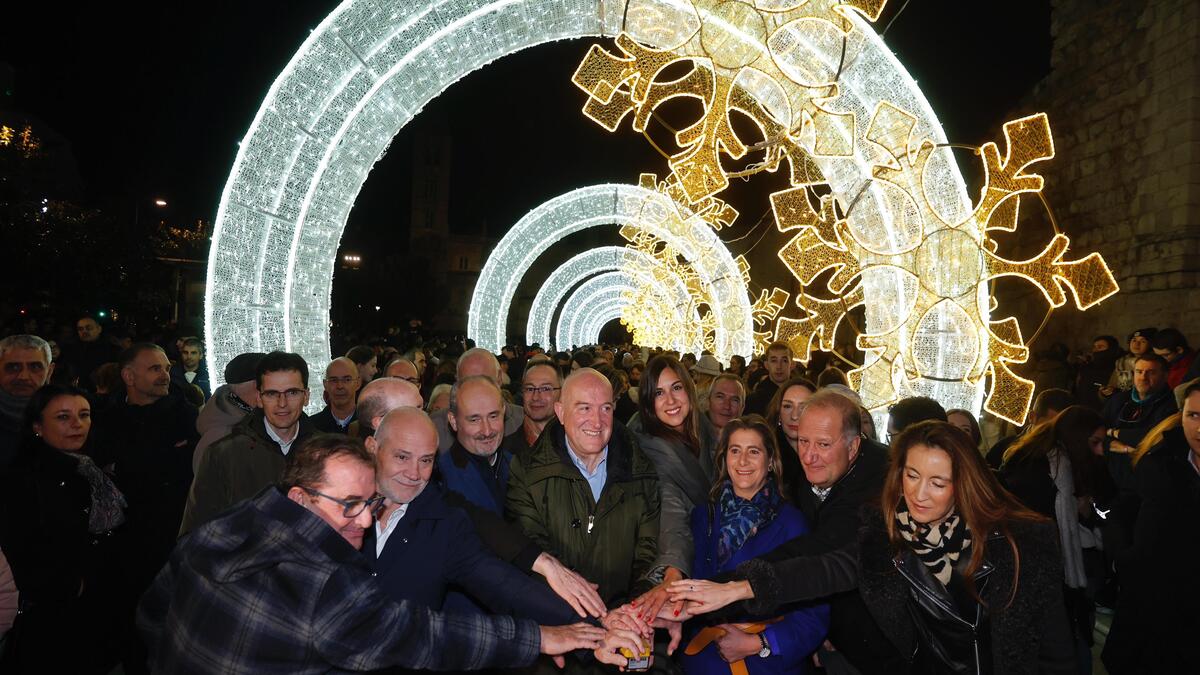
[[450, 508]]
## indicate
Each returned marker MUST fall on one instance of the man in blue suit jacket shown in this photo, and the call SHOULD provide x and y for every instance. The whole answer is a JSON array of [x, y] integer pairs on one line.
[[476, 466], [421, 546]]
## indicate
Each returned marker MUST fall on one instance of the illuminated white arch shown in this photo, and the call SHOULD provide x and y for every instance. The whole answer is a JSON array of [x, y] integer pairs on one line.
[[591, 262], [368, 69], [597, 295], [599, 206]]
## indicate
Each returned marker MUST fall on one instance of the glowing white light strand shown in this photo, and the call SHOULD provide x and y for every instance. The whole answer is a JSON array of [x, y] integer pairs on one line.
[[371, 66], [589, 263], [596, 294]]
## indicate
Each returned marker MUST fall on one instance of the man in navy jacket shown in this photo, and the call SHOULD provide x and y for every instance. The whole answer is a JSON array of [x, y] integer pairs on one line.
[[421, 546]]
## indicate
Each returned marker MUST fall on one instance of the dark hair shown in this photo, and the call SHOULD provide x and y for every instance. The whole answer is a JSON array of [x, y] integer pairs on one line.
[[1051, 399], [976, 432], [982, 504], [1069, 431], [690, 436], [1154, 358], [1170, 339], [1109, 339], [749, 422], [777, 400], [541, 362], [779, 346], [583, 357], [135, 350], [832, 375], [108, 378], [194, 342], [37, 402], [279, 361], [360, 354], [908, 411], [306, 464]]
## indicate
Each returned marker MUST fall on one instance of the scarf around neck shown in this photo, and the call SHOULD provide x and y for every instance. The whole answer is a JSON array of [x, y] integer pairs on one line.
[[108, 504], [12, 410], [940, 547], [742, 518]]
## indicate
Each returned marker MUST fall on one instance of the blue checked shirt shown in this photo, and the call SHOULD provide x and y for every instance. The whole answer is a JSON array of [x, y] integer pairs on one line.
[[270, 588]]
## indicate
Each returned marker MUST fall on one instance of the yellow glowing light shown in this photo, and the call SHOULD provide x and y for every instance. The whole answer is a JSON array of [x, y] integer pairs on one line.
[[749, 57]]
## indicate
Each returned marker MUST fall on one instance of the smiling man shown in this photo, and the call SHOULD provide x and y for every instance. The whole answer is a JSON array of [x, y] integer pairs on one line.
[[540, 388], [476, 466], [421, 545], [277, 584], [726, 400], [254, 454]]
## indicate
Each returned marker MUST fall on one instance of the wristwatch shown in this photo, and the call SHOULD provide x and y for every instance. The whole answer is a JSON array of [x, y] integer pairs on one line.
[[766, 646]]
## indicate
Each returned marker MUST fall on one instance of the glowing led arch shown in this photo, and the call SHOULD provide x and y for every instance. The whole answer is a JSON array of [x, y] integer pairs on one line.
[[598, 296], [589, 263], [361, 75], [642, 208]]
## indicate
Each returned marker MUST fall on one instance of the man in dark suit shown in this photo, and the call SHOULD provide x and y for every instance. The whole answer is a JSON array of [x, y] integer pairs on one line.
[[421, 546]]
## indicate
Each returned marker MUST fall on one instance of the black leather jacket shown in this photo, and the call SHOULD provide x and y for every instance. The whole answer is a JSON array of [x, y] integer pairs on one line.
[[950, 623]]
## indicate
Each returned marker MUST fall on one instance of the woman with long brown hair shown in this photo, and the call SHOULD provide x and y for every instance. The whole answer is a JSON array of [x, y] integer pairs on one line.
[[957, 572], [679, 439], [783, 414]]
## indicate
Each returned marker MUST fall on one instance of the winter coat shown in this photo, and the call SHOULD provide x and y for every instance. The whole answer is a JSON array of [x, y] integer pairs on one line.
[[472, 477], [325, 422], [611, 542], [1155, 626], [435, 547], [269, 587], [150, 448], [945, 630], [237, 467], [802, 628], [217, 419], [684, 480], [179, 378], [70, 580]]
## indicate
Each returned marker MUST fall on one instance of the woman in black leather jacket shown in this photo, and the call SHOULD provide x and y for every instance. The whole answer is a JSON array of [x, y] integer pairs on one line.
[[956, 571]]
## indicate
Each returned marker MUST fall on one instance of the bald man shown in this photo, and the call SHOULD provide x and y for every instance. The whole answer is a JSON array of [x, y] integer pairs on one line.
[[421, 545], [477, 362], [341, 385], [380, 397], [476, 466], [403, 369]]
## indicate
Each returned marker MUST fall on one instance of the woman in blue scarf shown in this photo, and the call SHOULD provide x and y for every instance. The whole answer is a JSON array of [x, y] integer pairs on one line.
[[747, 517]]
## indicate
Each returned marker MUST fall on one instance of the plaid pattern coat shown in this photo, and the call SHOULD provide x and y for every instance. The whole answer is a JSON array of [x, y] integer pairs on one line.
[[270, 588]]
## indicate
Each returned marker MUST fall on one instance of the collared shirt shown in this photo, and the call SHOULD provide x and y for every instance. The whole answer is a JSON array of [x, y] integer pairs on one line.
[[189, 375], [595, 479], [1194, 460], [382, 534], [285, 447], [342, 422]]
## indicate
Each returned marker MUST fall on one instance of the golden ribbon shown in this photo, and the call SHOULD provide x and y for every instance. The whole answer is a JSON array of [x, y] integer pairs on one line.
[[714, 633]]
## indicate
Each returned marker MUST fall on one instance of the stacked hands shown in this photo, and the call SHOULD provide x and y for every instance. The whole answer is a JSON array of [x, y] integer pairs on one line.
[[630, 627]]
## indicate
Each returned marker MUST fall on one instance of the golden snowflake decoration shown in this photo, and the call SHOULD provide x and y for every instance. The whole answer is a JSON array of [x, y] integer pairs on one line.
[[741, 60]]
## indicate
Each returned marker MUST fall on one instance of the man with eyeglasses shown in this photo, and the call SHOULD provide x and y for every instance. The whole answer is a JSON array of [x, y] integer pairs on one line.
[[403, 369], [540, 389], [341, 385], [254, 454], [277, 584]]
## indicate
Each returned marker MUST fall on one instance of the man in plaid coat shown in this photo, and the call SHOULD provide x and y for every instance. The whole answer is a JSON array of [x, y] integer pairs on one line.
[[277, 585]]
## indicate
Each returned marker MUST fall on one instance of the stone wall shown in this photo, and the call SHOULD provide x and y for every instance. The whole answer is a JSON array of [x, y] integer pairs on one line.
[[1123, 98]]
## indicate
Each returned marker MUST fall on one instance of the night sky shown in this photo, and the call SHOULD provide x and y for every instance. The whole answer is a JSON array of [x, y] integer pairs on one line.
[[154, 98]]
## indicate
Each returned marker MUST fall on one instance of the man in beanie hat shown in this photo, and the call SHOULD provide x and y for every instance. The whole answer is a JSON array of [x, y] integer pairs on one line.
[[1122, 375], [230, 403]]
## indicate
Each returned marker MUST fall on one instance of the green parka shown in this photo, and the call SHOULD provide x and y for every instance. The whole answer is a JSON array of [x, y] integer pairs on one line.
[[612, 542]]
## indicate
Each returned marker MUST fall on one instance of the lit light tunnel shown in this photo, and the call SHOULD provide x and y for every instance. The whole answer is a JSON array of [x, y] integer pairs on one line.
[[596, 302], [367, 70], [550, 295]]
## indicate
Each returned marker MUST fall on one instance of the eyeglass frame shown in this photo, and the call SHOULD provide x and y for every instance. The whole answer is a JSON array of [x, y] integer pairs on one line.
[[543, 390], [348, 504], [291, 395]]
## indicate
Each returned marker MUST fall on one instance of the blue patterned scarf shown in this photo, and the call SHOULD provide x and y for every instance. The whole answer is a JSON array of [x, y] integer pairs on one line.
[[741, 518]]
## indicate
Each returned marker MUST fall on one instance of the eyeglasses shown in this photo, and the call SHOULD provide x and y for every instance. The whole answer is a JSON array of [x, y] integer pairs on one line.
[[543, 390], [340, 380], [413, 380], [351, 508], [292, 395]]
